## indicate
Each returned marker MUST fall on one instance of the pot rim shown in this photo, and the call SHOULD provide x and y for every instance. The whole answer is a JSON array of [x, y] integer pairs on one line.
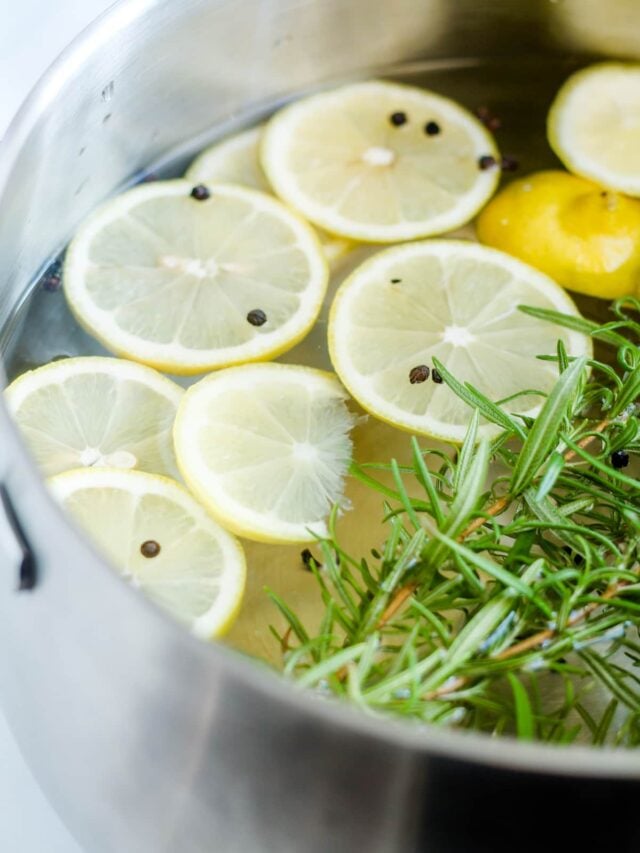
[[444, 743]]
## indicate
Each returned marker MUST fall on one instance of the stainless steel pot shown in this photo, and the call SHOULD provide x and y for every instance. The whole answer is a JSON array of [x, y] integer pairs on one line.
[[143, 738]]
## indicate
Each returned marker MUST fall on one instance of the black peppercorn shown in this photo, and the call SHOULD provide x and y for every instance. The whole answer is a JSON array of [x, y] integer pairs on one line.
[[398, 119], [432, 128], [419, 374], [257, 317], [509, 164], [619, 459], [488, 119], [435, 375], [308, 560], [150, 548], [200, 193], [51, 283], [52, 278], [486, 162]]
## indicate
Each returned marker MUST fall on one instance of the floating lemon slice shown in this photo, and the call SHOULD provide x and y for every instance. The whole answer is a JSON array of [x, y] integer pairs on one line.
[[380, 162], [96, 412], [457, 302], [161, 540], [236, 160], [594, 125], [585, 238], [191, 279], [266, 449]]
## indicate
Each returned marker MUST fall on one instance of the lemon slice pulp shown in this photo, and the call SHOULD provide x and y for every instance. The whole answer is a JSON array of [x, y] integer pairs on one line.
[[96, 412], [380, 162], [157, 536], [266, 449], [188, 284], [594, 125], [236, 160], [457, 302]]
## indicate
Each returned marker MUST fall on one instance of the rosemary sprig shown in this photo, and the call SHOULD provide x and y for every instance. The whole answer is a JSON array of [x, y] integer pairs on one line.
[[493, 620]]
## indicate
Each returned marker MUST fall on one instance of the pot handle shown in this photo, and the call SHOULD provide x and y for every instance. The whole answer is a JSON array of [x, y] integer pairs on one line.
[[14, 542]]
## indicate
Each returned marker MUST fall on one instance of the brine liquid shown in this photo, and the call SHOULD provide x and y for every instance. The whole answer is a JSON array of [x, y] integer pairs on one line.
[[43, 329]]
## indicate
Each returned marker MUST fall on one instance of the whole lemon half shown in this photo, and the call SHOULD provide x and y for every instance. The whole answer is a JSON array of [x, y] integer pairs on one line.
[[584, 237]]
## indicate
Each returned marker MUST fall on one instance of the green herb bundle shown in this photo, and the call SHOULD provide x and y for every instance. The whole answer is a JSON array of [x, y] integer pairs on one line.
[[500, 602]]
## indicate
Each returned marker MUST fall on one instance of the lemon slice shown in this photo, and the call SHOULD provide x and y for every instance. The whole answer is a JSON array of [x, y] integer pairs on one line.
[[266, 449], [162, 541], [236, 160], [96, 412], [458, 302], [188, 284], [594, 125], [380, 162]]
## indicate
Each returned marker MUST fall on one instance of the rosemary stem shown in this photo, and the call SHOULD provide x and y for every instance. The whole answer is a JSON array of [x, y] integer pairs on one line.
[[534, 640], [403, 594], [568, 456]]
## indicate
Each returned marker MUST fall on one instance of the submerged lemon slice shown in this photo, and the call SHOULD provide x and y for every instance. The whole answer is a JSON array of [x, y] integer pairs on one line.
[[380, 162], [457, 302], [236, 160], [157, 536], [594, 125], [188, 284], [584, 237], [266, 449], [96, 412]]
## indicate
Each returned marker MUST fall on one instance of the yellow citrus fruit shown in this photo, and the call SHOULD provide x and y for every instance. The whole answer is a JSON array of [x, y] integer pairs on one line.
[[455, 301], [266, 448], [96, 412], [191, 279], [380, 162], [594, 125], [586, 238], [161, 540]]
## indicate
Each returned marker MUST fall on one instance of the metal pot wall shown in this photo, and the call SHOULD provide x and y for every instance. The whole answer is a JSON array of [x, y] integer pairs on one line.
[[144, 739]]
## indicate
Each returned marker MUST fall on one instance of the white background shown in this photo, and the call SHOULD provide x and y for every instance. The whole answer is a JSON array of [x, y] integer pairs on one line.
[[32, 33]]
